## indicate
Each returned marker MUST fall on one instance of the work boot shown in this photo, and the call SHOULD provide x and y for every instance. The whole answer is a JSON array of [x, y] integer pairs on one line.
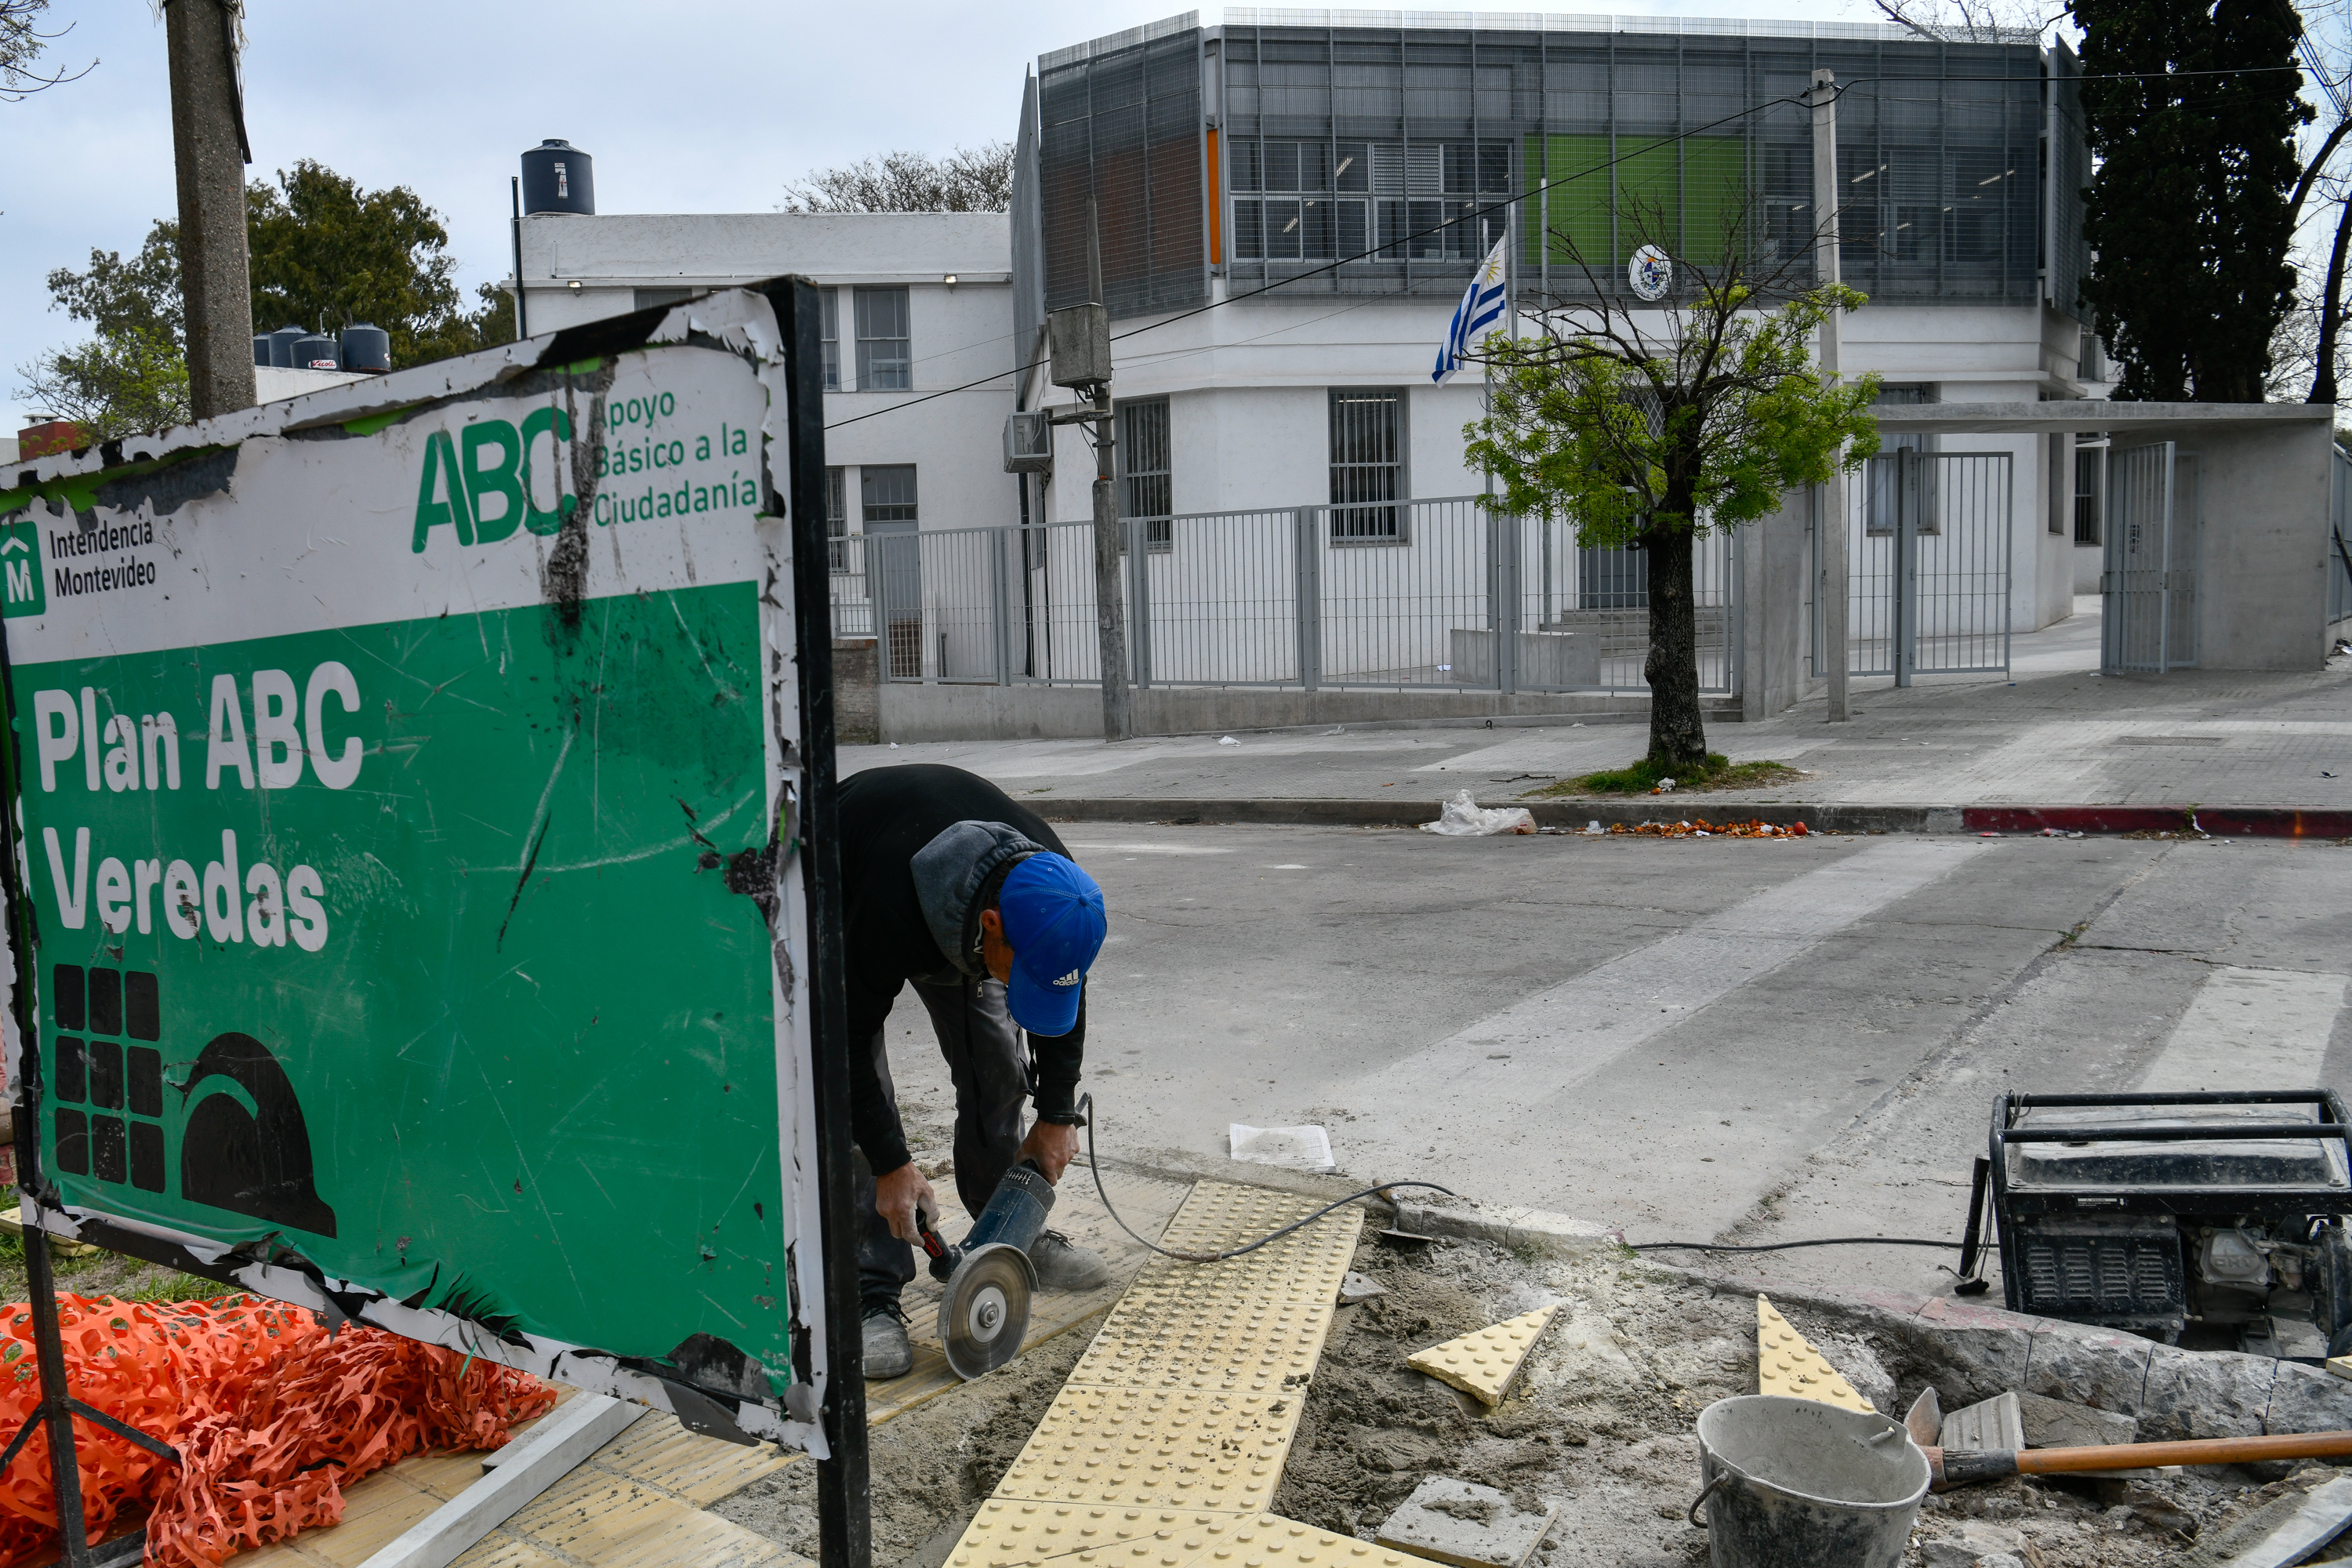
[[1062, 1265], [888, 1352]]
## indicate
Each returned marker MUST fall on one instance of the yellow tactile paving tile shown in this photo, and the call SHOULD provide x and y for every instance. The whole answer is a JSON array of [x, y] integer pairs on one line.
[[1157, 1449], [1270, 1541], [1251, 1324], [1484, 1362], [1167, 1442], [1009, 1532], [1787, 1364]]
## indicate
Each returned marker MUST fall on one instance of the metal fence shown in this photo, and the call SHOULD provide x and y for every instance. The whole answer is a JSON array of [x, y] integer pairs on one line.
[[1927, 542], [1398, 595]]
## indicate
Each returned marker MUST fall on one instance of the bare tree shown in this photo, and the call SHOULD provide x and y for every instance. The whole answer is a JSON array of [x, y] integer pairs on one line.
[[1975, 21], [22, 43], [968, 179]]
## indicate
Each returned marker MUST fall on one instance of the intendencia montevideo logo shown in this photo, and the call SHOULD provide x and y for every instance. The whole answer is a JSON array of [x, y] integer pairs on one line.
[[485, 481]]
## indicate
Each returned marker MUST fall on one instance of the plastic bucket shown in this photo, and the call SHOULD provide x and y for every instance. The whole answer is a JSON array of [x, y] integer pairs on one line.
[[1791, 1483]]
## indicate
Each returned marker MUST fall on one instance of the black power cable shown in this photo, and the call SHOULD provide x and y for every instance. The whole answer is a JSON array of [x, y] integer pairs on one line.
[[1087, 1109], [1785, 1246]]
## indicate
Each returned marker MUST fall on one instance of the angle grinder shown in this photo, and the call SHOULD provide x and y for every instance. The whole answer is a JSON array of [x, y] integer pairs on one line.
[[990, 1279]]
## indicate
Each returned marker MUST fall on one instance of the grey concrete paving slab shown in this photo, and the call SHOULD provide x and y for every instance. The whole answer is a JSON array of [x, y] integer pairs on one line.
[[2067, 737]]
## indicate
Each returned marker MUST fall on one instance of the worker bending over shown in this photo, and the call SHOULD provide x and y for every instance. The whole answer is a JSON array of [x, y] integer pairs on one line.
[[950, 887]]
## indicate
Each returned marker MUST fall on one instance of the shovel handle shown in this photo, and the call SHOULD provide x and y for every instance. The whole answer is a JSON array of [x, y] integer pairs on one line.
[[2195, 1451], [1958, 1467]]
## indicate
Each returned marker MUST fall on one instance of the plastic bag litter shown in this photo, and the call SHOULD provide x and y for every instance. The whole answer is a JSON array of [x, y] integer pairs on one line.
[[1229, 740], [1296, 1148], [1463, 817]]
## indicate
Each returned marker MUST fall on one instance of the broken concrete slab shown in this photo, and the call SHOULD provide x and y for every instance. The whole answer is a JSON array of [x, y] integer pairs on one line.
[[2325, 1512], [1484, 1363], [2062, 1424], [1466, 1524], [1973, 1543], [1355, 1288], [1995, 1426]]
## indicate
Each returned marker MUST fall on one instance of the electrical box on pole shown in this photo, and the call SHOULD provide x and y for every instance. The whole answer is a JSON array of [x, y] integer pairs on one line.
[[1080, 339]]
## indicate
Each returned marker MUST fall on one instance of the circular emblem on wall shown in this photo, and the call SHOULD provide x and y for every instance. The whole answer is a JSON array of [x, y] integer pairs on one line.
[[1650, 272]]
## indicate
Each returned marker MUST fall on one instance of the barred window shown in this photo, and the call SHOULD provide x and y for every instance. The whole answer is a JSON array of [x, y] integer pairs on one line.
[[1367, 465], [887, 491], [831, 299], [1146, 489], [885, 362], [836, 521]]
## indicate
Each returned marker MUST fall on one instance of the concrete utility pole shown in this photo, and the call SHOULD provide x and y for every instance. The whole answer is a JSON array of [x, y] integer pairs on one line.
[[1829, 528], [209, 148], [1110, 620]]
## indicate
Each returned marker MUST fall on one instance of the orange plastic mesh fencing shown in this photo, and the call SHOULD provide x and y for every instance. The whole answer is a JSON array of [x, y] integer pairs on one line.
[[272, 1417]]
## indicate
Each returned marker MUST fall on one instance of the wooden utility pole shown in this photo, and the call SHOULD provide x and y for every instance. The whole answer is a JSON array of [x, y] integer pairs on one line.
[[209, 148], [1829, 528]]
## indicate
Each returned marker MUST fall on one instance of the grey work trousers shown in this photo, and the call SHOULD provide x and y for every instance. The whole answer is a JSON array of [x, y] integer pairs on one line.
[[988, 1060]]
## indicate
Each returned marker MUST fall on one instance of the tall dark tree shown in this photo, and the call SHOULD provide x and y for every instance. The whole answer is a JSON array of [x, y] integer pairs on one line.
[[2192, 110]]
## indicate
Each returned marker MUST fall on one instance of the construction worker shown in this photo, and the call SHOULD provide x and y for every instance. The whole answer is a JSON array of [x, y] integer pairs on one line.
[[950, 888]]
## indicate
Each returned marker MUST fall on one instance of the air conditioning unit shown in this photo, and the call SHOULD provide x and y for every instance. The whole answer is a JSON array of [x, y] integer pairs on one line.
[[1029, 442]]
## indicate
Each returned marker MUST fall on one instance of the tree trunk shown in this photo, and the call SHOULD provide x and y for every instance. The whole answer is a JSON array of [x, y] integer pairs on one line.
[[2331, 314], [1677, 734]]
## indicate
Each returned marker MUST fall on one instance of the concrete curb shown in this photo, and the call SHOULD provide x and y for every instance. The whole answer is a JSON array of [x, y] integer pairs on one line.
[[2235, 821]]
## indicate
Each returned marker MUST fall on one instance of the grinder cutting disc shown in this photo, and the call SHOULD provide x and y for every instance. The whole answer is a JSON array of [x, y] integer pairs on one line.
[[986, 1311]]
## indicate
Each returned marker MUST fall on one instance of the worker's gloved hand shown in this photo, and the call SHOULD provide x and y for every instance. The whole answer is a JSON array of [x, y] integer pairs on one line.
[[1053, 1146], [897, 1195]]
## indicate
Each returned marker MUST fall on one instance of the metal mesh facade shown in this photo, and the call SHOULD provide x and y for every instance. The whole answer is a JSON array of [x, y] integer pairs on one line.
[[1338, 153], [2069, 173], [1119, 121]]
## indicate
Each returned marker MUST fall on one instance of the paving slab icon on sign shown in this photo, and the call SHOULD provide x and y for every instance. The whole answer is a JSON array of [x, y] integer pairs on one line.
[[243, 1144]]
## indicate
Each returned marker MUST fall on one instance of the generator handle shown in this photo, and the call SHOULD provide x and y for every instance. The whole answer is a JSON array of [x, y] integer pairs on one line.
[[2251, 1132]]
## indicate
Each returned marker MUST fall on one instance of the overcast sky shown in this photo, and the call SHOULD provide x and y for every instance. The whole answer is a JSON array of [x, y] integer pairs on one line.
[[701, 106]]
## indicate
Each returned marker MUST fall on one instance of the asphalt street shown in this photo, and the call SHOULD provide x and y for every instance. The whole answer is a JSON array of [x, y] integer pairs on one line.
[[1720, 1039]]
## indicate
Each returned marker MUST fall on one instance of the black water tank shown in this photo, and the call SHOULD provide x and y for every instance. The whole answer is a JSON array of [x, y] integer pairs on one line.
[[261, 348], [367, 348], [282, 344], [558, 177], [317, 351]]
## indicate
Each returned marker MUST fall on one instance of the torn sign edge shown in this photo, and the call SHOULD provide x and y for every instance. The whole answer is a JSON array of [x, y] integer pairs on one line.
[[745, 322]]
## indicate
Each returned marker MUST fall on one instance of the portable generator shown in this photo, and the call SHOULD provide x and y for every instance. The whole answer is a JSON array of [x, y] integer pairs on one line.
[[2219, 1216]]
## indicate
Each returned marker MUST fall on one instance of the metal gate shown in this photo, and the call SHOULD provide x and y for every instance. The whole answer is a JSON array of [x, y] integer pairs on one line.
[[1927, 542], [2148, 589]]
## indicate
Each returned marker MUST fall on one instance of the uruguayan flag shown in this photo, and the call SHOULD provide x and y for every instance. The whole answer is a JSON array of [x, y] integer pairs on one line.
[[1481, 308]]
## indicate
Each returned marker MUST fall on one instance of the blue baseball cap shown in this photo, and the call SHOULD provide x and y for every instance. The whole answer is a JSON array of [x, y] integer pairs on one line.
[[1053, 915]]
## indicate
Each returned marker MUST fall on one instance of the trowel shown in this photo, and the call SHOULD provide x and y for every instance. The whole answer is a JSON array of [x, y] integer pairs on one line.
[[989, 1277]]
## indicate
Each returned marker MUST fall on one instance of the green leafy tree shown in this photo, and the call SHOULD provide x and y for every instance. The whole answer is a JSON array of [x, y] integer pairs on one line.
[[1649, 427], [117, 384], [2192, 109], [325, 254]]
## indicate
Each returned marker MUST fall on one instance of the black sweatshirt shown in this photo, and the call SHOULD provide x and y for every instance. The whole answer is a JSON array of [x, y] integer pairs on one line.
[[886, 816]]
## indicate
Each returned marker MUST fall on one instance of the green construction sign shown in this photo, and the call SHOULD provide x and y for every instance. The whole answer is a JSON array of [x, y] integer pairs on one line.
[[409, 778]]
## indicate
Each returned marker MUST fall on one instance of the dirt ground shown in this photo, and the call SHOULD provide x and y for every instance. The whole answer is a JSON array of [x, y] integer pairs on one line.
[[1600, 1422]]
